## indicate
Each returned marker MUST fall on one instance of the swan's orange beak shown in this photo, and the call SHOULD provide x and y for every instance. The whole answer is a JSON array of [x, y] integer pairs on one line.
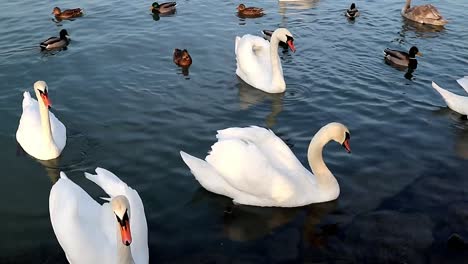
[[346, 145], [291, 45], [46, 100], [125, 233]]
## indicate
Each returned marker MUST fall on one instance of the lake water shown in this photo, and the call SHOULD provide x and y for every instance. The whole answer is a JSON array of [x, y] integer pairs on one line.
[[129, 109]]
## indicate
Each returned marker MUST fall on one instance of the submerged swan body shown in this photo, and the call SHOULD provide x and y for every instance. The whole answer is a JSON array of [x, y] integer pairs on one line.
[[258, 63], [255, 167], [40, 133], [88, 232]]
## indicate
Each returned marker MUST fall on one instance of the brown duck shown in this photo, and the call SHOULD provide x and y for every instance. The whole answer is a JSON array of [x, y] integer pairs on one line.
[[67, 13], [182, 58], [249, 11]]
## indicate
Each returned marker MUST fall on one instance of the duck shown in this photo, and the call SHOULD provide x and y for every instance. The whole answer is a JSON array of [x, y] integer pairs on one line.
[[182, 58], [88, 232], [67, 13], [39, 132], [455, 102], [253, 166], [55, 43], [352, 12], [242, 10], [267, 35], [163, 8], [424, 14], [258, 63], [403, 59]]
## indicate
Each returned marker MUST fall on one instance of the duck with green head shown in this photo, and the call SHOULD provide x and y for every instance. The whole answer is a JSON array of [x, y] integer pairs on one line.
[[163, 8], [401, 58]]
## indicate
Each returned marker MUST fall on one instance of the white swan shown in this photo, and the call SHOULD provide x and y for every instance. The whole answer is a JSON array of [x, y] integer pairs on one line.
[[88, 232], [40, 133], [255, 167], [258, 63], [455, 102]]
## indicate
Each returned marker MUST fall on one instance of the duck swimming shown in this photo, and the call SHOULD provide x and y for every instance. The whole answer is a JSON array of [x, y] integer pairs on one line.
[[163, 8], [67, 13], [182, 58], [402, 58], [352, 12], [249, 11], [54, 43], [424, 14]]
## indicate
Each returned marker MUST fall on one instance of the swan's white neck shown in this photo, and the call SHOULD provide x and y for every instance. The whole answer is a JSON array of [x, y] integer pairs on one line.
[[124, 253], [325, 179], [45, 125], [406, 7], [277, 79]]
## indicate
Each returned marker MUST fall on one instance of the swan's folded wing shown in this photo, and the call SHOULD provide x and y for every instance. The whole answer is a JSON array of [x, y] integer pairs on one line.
[[76, 219], [463, 82], [113, 186], [271, 145], [243, 165], [253, 56]]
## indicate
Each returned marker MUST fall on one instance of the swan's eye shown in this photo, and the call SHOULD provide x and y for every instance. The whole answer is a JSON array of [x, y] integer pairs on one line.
[[123, 220], [347, 136], [289, 38]]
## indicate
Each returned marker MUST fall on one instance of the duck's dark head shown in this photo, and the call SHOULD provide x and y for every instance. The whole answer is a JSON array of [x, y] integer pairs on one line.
[[414, 52], [154, 5], [63, 34], [56, 11], [241, 7], [353, 6]]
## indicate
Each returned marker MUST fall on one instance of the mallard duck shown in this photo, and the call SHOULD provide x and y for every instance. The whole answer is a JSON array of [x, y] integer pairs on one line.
[[182, 58], [56, 42], [163, 8], [249, 11], [352, 12], [402, 58], [267, 35], [67, 13], [424, 14]]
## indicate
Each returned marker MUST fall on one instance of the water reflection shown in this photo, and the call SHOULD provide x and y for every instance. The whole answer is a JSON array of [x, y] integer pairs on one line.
[[157, 16], [249, 96], [52, 168], [245, 223], [296, 4], [420, 30], [461, 130], [408, 71]]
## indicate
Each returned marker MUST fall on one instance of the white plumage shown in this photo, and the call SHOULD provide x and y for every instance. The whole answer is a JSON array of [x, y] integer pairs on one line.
[[455, 102]]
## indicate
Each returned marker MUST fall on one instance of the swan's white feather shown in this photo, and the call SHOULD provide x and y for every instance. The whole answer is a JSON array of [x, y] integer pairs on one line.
[[29, 133], [455, 102], [86, 230], [463, 83]]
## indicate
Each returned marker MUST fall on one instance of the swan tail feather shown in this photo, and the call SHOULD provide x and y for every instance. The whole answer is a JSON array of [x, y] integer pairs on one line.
[[205, 174], [455, 102], [108, 181], [463, 82]]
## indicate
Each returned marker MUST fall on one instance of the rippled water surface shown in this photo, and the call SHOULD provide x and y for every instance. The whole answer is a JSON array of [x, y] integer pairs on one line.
[[129, 109]]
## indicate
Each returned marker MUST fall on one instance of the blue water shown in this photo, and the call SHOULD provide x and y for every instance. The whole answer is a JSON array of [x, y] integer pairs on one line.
[[129, 109]]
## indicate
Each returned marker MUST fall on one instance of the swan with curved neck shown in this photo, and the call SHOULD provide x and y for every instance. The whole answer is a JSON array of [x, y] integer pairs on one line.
[[88, 232], [258, 63], [424, 14], [255, 167], [40, 133]]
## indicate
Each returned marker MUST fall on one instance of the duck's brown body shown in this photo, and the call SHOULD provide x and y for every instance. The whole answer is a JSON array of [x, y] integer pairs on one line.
[[67, 13], [249, 11]]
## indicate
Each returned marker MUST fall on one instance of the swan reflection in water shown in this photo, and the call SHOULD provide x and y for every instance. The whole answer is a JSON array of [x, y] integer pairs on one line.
[[51, 166], [460, 130], [420, 30], [250, 96], [245, 223]]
